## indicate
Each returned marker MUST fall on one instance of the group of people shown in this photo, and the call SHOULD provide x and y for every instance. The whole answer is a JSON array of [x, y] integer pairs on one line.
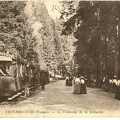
[[108, 84], [79, 84], [112, 85]]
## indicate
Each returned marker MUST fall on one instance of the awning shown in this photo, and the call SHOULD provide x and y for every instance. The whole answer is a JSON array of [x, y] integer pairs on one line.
[[4, 58]]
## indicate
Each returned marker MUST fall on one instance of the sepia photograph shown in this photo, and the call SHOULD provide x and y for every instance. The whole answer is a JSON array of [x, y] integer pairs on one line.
[[59, 59]]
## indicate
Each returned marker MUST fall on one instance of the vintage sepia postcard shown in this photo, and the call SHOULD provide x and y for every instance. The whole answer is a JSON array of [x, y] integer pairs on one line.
[[59, 59]]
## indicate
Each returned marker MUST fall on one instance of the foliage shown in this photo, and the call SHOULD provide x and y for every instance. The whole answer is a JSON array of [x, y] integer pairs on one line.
[[96, 26], [13, 28], [46, 38], [29, 32]]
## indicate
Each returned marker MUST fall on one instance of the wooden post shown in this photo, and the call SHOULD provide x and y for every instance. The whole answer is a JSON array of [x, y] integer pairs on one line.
[[27, 91]]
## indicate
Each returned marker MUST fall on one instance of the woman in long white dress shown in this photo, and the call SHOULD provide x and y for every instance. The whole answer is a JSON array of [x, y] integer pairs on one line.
[[76, 89]]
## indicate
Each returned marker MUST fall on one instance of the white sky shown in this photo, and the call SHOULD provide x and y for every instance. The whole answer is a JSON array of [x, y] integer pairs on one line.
[[50, 4], [53, 7]]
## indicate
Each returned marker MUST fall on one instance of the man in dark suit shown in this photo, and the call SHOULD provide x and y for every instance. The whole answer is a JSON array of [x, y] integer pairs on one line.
[[43, 80]]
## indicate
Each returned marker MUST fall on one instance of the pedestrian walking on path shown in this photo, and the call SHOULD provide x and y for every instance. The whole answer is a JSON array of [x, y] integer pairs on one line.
[[82, 86], [76, 89]]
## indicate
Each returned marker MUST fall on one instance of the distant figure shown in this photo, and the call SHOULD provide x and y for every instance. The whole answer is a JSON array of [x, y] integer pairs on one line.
[[105, 83], [93, 81], [25, 78], [67, 79], [76, 89], [110, 85], [43, 80], [117, 94], [114, 83], [83, 86], [86, 81], [70, 81]]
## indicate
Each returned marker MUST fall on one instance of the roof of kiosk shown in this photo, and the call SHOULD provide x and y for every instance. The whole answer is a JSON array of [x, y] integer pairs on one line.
[[6, 57]]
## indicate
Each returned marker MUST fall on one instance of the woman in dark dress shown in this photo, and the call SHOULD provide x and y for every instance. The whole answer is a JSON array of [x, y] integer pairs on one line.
[[83, 86], [117, 94], [70, 81], [67, 79]]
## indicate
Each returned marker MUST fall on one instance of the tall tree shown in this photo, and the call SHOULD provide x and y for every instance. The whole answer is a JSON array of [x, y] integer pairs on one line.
[[96, 26]]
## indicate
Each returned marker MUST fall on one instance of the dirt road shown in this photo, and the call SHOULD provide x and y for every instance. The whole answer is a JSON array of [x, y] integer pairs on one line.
[[59, 99]]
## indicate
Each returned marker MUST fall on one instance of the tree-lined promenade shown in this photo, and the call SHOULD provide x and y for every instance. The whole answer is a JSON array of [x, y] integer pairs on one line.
[[64, 103], [76, 53], [96, 25], [84, 40]]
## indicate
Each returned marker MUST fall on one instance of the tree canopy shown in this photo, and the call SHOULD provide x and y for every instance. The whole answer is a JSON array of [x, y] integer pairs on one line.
[[96, 26], [28, 31]]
